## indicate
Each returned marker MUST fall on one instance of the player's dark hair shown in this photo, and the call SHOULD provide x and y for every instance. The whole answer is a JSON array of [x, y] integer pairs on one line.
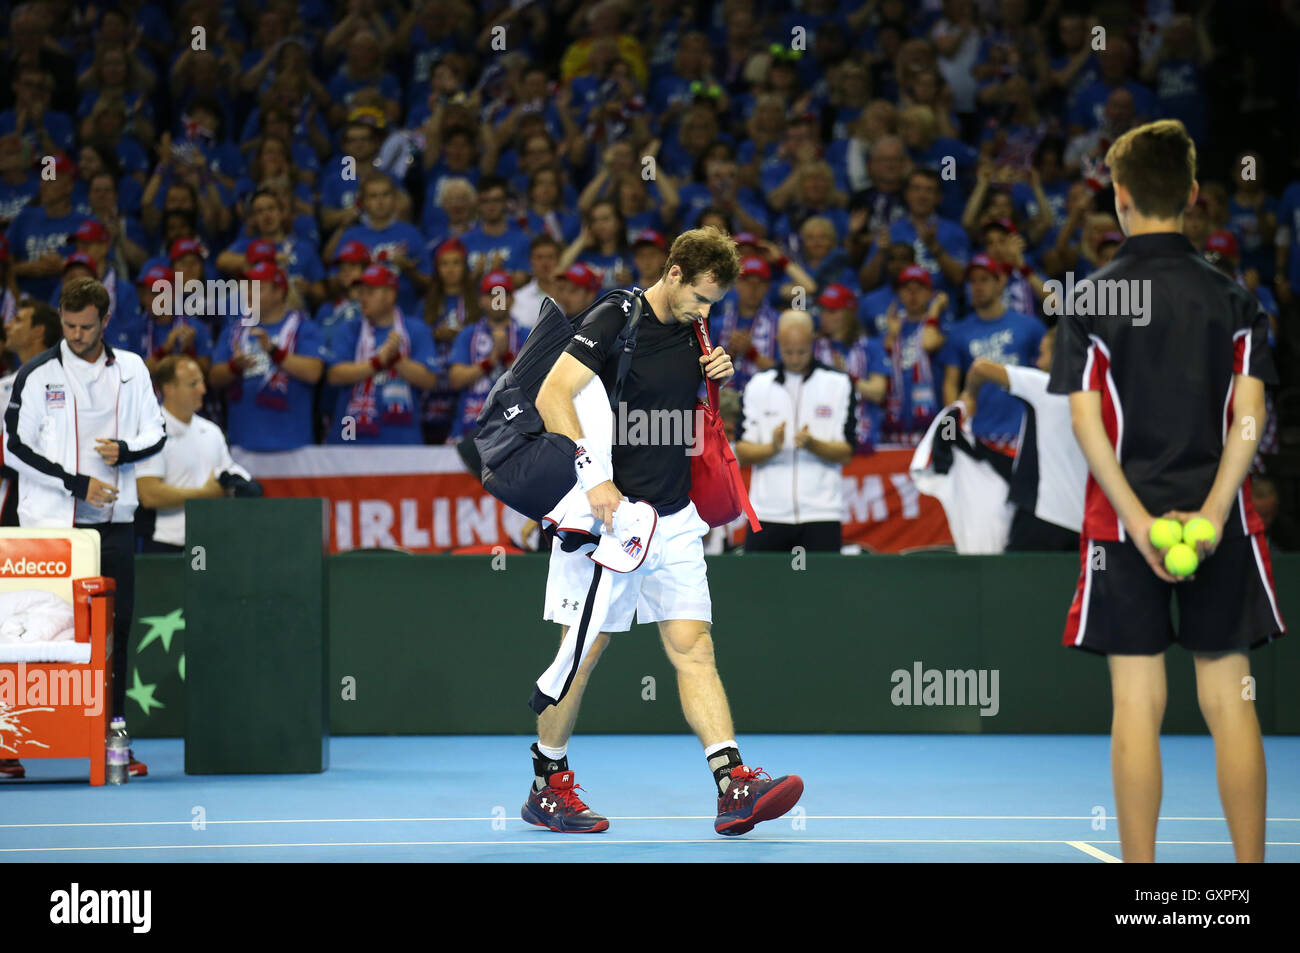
[[1157, 164], [48, 319], [80, 293], [703, 252]]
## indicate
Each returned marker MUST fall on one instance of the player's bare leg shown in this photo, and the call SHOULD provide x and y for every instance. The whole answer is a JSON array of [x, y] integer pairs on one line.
[[555, 725], [704, 702], [553, 800], [1238, 748], [745, 796], [1138, 692]]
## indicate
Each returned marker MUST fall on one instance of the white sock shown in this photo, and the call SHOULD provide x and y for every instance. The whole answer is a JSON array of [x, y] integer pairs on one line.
[[555, 754], [711, 750]]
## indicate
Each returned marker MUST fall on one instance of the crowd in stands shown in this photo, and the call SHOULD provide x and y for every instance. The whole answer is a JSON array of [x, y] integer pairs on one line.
[[405, 181]]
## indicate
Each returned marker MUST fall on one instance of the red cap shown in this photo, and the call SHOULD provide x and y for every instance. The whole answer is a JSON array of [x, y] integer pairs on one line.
[[836, 297], [1005, 224], [648, 236], [984, 261], [4, 248], [64, 166], [496, 279], [755, 267], [1222, 241], [582, 276], [187, 246], [449, 246], [154, 274], [81, 258], [268, 271], [746, 238], [354, 252], [260, 250], [378, 276], [90, 230], [914, 273]]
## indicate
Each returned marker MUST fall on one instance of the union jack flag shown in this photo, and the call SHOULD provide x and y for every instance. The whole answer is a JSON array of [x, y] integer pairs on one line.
[[633, 546]]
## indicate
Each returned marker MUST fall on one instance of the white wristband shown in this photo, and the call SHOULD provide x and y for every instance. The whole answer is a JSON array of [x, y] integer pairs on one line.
[[591, 468]]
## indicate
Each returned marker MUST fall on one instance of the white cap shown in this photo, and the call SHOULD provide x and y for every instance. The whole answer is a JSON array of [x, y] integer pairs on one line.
[[626, 548]]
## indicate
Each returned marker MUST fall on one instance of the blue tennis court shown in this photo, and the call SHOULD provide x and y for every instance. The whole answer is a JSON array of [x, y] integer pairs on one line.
[[875, 798]]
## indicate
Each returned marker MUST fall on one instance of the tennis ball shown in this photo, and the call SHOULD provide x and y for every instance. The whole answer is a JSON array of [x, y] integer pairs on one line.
[[1165, 533], [1197, 530], [1181, 560]]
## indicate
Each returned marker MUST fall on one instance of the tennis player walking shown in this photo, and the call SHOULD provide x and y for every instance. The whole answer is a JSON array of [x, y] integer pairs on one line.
[[669, 585], [1167, 405]]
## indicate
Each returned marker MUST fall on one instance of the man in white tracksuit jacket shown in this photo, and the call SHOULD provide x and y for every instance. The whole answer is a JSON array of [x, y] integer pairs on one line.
[[796, 430], [80, 417]]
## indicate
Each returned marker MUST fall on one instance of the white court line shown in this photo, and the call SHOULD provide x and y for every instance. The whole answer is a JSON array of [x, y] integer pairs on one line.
[[612, 817], [547, 841], [1095, 851]]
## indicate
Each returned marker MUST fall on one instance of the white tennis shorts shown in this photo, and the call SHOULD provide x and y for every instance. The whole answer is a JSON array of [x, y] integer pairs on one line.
[[672, 583]]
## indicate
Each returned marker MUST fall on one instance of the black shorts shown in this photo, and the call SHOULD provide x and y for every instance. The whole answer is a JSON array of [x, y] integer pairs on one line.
[[1124, 608]]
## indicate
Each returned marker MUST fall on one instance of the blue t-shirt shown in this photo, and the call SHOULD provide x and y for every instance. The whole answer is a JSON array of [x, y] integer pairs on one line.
[[952, 238], [1288, 227], [860, 359], [1013, 339], [58, 125], [31, 234], [512, 245], [1090, 108], [343, 89], [471, 346], [338, 191], [14, 197], [398, 238], [152, 331], [1181, 95], [266, 414], [303, 261], [396, 411]]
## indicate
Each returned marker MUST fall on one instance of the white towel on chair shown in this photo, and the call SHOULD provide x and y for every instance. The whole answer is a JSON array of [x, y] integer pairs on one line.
[[35, 615]]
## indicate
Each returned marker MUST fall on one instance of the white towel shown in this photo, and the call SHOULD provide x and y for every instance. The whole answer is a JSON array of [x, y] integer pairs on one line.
[[35, 615]]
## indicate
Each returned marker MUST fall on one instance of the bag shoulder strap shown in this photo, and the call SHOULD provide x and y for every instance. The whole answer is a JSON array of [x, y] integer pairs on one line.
[[634, 307], [711, 386]]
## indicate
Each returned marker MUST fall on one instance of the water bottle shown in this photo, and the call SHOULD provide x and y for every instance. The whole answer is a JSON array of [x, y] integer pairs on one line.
[[119, 755]]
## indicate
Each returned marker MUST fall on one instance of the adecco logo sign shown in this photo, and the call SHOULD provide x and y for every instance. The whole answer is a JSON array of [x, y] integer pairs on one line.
[[35, 558]]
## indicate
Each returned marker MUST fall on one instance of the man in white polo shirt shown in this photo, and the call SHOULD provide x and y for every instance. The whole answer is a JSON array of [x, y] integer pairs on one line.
[[81, 416], [1050, 472], [191, 462]]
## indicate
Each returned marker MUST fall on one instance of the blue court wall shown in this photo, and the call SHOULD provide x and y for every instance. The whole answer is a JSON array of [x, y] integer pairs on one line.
[[452, 644]]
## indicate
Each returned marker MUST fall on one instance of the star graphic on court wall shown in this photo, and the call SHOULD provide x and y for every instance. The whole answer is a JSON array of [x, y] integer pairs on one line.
[[162, 627], [142, 694], [182, 666]]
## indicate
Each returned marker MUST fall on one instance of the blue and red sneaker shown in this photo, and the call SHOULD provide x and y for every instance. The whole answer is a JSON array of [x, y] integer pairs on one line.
[[557, 807], [752, 797]]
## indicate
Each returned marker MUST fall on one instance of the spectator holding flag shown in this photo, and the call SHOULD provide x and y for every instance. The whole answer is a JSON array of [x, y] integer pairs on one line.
[[914, 334], [843, 346], [378, 361], [270, 368], [484, 350]]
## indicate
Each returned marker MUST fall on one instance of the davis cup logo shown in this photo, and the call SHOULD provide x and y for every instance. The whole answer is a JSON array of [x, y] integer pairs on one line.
[[35, 558], [633, 546]]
